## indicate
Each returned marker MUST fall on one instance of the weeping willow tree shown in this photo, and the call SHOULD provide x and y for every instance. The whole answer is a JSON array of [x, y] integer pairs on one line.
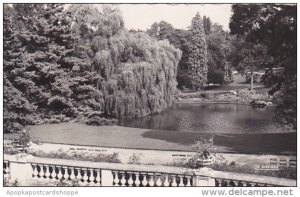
[[137, 73]]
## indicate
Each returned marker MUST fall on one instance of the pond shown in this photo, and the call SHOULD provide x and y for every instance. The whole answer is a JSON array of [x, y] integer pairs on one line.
[[236, 128], [209, 118]]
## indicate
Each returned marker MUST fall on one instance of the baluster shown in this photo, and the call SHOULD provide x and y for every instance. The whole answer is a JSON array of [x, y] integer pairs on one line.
[[98, 178], [6, 170], [47, 173], [219, 182], [130, 180], [85, 176], [174, 184], [224, 182], [66, 174], [5, 167], [116, 178], [72, 175], [166, 182], [144, 181], [79, 177], [243, 184], [137, 181], [158, 181], [123, 179], [59, 174], [35, 171], [91, 177], [151, 181], [41, 172], [236, 183], [181, 181], [188, 181], [53, 173]]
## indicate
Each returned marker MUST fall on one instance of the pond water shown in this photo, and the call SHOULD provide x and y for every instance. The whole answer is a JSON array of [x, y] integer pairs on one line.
[[209, 118]]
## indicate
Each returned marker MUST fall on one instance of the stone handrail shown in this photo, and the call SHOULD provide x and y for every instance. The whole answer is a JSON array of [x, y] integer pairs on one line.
[[119, 174]]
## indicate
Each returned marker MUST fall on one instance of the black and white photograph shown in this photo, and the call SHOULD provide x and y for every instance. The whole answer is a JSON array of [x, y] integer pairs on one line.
[[150, 95]]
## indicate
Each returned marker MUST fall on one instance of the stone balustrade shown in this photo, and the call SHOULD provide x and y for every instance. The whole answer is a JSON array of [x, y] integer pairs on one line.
[[34, 171]]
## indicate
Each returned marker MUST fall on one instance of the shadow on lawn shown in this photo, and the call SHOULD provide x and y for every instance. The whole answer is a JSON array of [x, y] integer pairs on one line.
[[282, 143]]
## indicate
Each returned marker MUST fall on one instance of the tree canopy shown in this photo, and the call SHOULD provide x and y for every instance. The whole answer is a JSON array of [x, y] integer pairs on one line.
[[275, 27], [80, 63], [197, 60]]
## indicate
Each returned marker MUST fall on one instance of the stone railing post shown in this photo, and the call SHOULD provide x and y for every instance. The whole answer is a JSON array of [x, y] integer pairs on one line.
[[20, 170], [200, 180], [107, 178], [203, 181]]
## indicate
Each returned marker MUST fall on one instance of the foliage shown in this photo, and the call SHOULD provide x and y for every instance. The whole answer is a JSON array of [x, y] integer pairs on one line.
[[283, 172], [135, 158], [207, 25], [197, 60], [137, 74], [81, 64], [218, 50], [275, 27], [204, 149], [60, 154], [47, 67], [216, 77], [20, 143], [180, 39]]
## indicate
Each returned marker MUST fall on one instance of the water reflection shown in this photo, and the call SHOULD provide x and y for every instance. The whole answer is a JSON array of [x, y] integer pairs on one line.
[[209, 118]]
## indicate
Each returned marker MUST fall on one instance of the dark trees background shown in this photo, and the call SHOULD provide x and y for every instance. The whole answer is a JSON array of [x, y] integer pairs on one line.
[[273, 26]]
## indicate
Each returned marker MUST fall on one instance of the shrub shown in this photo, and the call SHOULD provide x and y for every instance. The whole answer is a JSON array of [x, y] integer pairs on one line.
[[60, 154], [216, 77], [135, 159]]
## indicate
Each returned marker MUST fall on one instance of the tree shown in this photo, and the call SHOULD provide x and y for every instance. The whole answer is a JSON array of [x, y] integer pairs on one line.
[[180, 39], [82, 64], [137, 73], [16, 107], [44, 71], [197, 69], [275, 26], [216, 28], [254, 57], [207, 24], [161, 30], [218, 50]]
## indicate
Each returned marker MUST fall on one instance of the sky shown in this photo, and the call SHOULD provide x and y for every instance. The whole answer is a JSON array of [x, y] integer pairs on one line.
[[142, 16]]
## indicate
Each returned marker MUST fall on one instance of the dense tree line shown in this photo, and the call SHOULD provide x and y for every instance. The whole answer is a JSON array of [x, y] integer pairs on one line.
[[206, 50], [80, 63]]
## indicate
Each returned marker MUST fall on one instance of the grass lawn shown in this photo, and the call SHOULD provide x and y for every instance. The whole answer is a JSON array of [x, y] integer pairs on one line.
[[125, 137], [238, 83]]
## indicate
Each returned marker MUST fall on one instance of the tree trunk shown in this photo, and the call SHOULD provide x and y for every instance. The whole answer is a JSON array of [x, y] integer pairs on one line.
[[252, 76]]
